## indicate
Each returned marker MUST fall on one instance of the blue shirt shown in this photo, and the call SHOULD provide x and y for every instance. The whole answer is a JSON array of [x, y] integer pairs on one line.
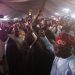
[[47, 43]]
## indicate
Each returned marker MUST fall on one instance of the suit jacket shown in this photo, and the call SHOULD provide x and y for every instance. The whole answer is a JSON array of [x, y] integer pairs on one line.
[[14, 58], [29, 61], [40, 59]]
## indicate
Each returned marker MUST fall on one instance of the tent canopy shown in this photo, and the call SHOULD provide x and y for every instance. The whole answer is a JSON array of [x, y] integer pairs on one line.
[[21, 7]]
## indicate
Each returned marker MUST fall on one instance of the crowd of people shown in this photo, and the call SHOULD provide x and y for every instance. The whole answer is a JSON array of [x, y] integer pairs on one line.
[[42, 47]]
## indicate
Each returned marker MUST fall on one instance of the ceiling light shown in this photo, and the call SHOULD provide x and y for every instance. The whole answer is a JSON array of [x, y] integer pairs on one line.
[[66, 10], [5, 16], [15, 19], [57, 14], [73, 16]]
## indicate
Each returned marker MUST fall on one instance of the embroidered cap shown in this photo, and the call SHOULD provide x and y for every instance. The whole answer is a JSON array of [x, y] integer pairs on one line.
[[65, 40]]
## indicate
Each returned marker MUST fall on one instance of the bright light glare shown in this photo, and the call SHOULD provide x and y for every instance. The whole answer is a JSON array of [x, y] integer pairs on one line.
[[66, 10], [52, 16], [15, 19], [5, 16], [4, 19], [73, 16], [0, 28], [30, 13], [57, 14], [55, 19]]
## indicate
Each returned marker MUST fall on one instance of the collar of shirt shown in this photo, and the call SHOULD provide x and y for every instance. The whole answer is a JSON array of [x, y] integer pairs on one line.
[[6, 45]]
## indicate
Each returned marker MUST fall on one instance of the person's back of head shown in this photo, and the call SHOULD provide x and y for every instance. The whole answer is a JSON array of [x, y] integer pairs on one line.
[[3, 35], [64, 43]]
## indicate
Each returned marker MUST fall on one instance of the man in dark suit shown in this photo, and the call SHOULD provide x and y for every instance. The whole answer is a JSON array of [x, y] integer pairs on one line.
[[14, 58], [40, 59], [13, 55], [37, 61]]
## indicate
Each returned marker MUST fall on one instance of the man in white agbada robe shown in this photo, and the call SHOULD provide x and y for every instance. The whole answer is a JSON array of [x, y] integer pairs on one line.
[[64, 62]]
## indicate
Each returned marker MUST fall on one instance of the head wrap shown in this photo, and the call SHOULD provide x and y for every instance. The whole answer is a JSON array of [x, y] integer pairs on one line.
[[65, 40]]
